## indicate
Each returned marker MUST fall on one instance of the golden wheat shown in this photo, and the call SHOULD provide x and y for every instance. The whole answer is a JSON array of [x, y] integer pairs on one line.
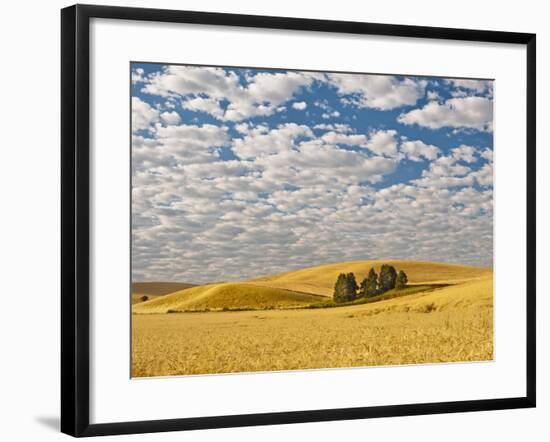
[[158, 288], [226, 296], [320, 280], [450, 324]]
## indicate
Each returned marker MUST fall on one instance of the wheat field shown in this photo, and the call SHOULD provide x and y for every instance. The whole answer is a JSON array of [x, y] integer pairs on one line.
[[320, 279], [228, 296], [153, 290], [447, 324]]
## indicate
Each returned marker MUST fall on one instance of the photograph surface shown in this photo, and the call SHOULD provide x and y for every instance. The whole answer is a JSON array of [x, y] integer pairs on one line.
[[290, 220]]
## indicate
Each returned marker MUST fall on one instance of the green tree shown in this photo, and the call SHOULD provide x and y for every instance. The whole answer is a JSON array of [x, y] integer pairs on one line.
[[369, 286], [388, 275], [401, 280], [351, 287], [338, 295], [345, 288]]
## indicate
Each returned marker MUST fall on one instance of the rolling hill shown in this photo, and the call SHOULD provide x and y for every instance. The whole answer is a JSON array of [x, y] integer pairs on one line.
[[158, 288], [320, 280], [155, 289], [225, 296], [299, 288], [451, 321], [448, 324]]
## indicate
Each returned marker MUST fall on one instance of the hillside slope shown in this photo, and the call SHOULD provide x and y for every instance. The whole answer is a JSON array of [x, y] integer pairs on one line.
[[158, 288], [225, 295], [449, 324], [320, 280]]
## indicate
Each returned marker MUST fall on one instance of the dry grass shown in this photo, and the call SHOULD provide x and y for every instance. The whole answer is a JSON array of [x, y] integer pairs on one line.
[[225, 295], [320, 280], [158, 288], [138, 298], [450, 324]]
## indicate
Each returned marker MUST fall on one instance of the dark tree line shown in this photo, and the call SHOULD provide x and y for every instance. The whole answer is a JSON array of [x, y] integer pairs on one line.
[[346, 288]]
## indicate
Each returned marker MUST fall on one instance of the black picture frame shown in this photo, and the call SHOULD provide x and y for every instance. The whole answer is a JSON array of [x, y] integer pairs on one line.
[[75, 225]]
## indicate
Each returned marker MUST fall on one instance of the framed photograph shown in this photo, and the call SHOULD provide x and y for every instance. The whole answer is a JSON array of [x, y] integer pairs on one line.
[[272, 220]]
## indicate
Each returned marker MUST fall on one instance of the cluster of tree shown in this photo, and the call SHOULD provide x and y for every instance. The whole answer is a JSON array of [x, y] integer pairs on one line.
[[346, 288]]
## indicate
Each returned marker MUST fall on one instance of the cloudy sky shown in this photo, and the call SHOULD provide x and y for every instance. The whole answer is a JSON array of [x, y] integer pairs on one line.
[[243, 172]]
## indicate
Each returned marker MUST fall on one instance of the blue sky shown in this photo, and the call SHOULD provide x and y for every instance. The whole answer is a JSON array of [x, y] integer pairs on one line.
[[241, 172]]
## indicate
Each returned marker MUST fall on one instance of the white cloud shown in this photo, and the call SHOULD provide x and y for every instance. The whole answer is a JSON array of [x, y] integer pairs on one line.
[[199, 222], [174, 144], [299, 105], [487, 154], [291, 195], [137, 75], [185, 80], [170, 117], [383, 142], [207, 135], [432, 95], [484, 176], [338, 127], [241, 128], [447, 171], [261, 142], [204, 88], [340, 138], [276, 88], [207, 105], [382, 92], [323, 104], [478, 86], [464, 153], [327, 115], [143, 115], [467, 112], [417, 150]]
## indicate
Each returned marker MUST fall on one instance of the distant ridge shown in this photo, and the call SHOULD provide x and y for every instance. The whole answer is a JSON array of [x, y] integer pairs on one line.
[[158, 288], [320, 279], [298, 288], [232, 295]]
